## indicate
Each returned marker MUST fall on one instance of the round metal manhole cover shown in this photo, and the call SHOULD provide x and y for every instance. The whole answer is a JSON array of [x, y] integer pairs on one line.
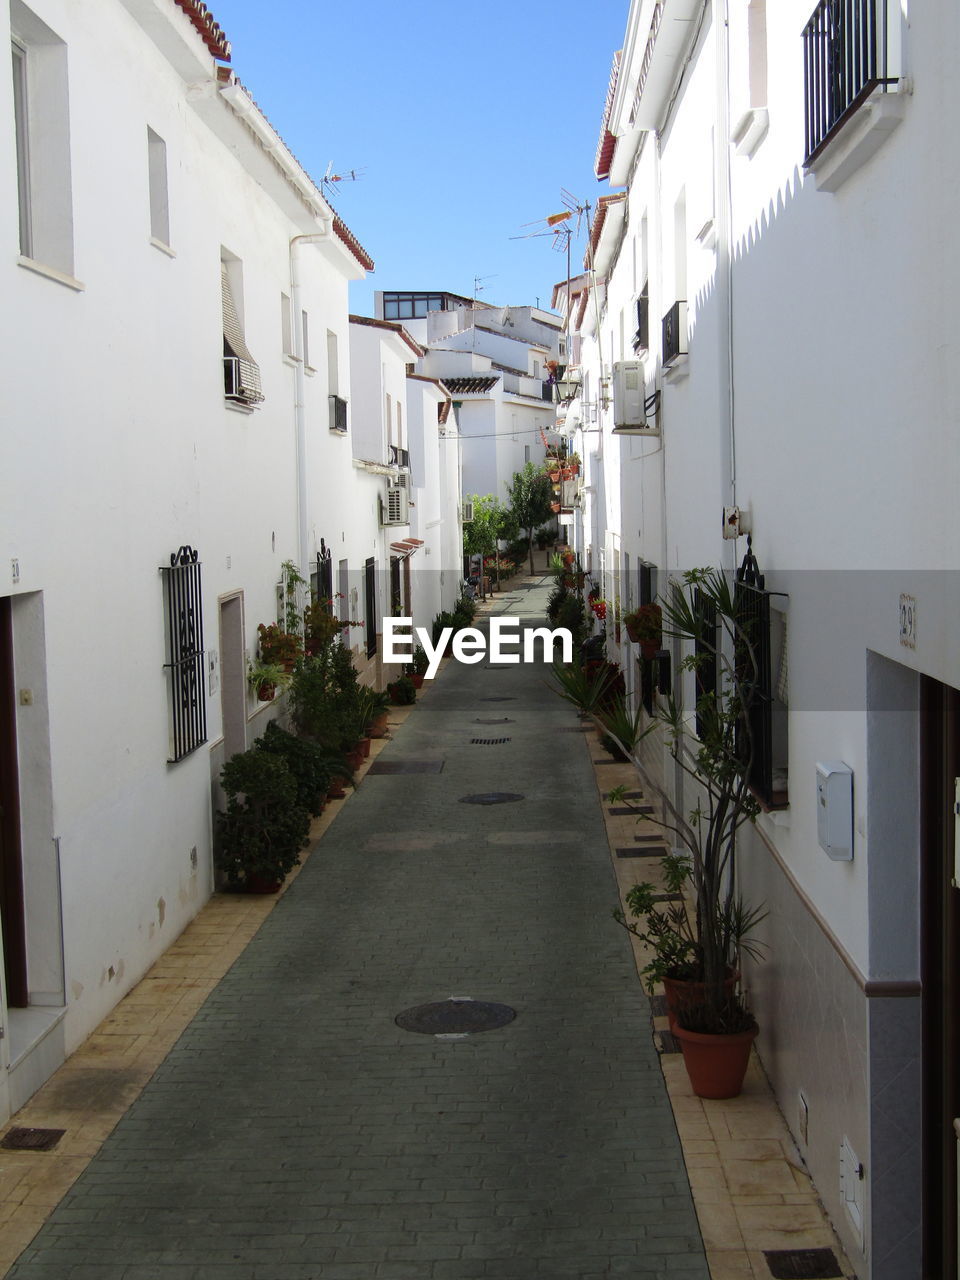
[[455, 1017], [492, 797]]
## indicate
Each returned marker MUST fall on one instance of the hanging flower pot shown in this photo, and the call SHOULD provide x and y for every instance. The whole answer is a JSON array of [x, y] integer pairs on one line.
[[645, 627]]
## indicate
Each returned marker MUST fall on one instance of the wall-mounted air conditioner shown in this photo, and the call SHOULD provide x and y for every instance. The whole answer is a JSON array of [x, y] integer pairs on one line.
[[467, 511], [629, 396], [395, 505]]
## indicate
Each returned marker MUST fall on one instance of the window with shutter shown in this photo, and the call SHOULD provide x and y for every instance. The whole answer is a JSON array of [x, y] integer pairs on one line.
[[241, 373]]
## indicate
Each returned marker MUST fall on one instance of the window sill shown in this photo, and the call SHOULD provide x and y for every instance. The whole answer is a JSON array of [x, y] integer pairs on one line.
[[309, 370], [163, 247], [750, 130], [51, 273], [859, 138], [291, 360], [237, 406], [677, 369]]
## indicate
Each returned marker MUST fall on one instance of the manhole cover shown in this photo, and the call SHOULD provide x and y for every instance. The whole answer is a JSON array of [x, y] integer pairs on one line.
[[488, 742], [802, 1264], [31, 1139], [492, 797], [455, 1017]]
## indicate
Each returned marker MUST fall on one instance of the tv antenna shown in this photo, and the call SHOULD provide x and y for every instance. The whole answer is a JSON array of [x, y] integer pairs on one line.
[[330, 182], [478, 285], [562, 226]]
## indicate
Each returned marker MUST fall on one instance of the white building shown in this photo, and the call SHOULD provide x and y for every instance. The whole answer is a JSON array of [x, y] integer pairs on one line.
[[176, 341], [493, 360], [774, 278], [404, 444]]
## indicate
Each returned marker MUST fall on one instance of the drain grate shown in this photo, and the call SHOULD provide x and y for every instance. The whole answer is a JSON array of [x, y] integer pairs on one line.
[[625, 811], [667, 1043], [802, 1264], [658, 1006], [577, 728], [406, 766], [649, 839], [455, 1017], [492, 797], [653, 851], [488, 742], [31, 1139], [498, 699], [502, 720]]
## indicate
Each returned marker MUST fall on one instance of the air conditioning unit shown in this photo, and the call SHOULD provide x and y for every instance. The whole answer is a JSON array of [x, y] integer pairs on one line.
[[395, 505], [467, 511], [629, 395]]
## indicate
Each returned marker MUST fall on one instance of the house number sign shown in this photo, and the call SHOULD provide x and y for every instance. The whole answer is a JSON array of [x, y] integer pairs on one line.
[[908, 622]]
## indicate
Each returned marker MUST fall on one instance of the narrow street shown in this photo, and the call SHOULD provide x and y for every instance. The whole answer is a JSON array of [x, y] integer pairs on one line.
[[295, 1131]]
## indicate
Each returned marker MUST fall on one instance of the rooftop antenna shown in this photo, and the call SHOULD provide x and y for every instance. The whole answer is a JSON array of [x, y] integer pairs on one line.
[[330, 181], [478, 285]]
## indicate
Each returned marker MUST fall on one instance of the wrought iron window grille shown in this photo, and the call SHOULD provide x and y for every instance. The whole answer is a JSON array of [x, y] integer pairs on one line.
[[753, 665], [338, 414], [184, 616], [398, 457], [641, 339], [675, 332], [845, 61]]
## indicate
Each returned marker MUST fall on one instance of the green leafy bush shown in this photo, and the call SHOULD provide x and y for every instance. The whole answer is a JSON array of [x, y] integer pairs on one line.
[[264, 827]]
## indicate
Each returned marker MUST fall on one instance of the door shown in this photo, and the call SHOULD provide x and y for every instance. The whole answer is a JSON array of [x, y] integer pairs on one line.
[[233, 683], [940, 956], [11, 864]]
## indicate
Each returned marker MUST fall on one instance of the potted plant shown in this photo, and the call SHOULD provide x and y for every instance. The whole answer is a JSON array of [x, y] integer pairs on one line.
[[402, 692], [265, 678], [278, 647], [260, 834], [374, 705], [645, 627], [705, 945], [417, 667], [311, 767]]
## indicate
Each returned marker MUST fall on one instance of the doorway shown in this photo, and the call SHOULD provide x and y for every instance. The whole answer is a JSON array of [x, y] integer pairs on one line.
[[233, 684], [940, 957], [12, 920]]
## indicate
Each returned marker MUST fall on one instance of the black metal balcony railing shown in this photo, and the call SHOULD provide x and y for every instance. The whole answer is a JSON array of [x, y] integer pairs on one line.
[[398, 457], [546, 391], [845, 59], [675, 332], [338, 414]]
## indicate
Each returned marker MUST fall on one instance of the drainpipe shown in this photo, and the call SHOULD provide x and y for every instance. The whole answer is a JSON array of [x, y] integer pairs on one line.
[[724, 187], [299, 403]]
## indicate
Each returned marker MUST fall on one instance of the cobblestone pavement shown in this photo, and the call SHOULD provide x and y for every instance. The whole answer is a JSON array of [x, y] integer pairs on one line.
[[295, 1132]]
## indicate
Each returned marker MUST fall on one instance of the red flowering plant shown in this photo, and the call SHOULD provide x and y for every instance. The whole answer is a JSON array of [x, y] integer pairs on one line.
[[321, 626], [277, 646]]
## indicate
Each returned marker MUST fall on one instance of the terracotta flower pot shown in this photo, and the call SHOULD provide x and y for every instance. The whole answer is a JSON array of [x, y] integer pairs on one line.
[[261, 884], [378, 727], [355, 758], [682, 995], [266, 692], [417, 679], [336, 790], [365, 747], [716, 1065]]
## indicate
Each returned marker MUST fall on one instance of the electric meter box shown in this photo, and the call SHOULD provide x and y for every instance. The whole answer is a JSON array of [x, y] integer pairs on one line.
[[835, 810]]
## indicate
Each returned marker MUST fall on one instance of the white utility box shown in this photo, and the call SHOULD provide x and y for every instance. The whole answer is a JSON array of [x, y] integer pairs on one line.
[[835, 809]]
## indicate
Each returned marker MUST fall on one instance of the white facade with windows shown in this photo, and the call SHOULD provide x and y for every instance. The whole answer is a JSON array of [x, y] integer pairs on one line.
[[774, 265], [175, 301]]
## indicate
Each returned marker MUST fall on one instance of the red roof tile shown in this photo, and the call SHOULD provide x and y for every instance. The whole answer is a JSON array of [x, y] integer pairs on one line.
[[607, 144], [210, 30], [599, 218], [395, 327], [353, 244]]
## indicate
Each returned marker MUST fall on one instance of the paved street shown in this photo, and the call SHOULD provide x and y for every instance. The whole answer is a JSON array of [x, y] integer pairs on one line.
[[295, 1132]]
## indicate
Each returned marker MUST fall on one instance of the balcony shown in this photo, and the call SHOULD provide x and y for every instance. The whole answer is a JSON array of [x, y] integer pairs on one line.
[[338, 415], [398, 457], [845, 60]]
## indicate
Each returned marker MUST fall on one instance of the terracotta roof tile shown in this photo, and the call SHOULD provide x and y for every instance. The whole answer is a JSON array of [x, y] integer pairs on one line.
[[469, 386], [608, 142], [208, 28], [394, 327]]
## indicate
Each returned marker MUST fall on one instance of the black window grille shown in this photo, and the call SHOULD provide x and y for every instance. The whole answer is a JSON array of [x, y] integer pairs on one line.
[[324, 587], [753, 665], [706, 650], [184, 610], [675, 332], [641, 339], [338, 414], [845, 60], [648, 673], [370, 605]]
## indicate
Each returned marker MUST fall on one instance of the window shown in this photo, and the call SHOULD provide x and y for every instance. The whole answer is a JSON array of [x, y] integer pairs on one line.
[[411, 306], [389, 417], [761, 668], [333, 364], [286, 333], [641, 338], [370, 606], [157, 173], [183, 606], [241, 373], [757, 52], [42, 133], [399, 425], [305, 338]]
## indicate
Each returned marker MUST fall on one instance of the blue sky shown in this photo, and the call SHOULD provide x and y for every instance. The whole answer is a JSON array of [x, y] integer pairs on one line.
[[467, 120]]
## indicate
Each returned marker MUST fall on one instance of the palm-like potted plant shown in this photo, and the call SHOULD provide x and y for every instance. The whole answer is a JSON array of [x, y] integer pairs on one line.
[[265, 678], [704, 942]]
